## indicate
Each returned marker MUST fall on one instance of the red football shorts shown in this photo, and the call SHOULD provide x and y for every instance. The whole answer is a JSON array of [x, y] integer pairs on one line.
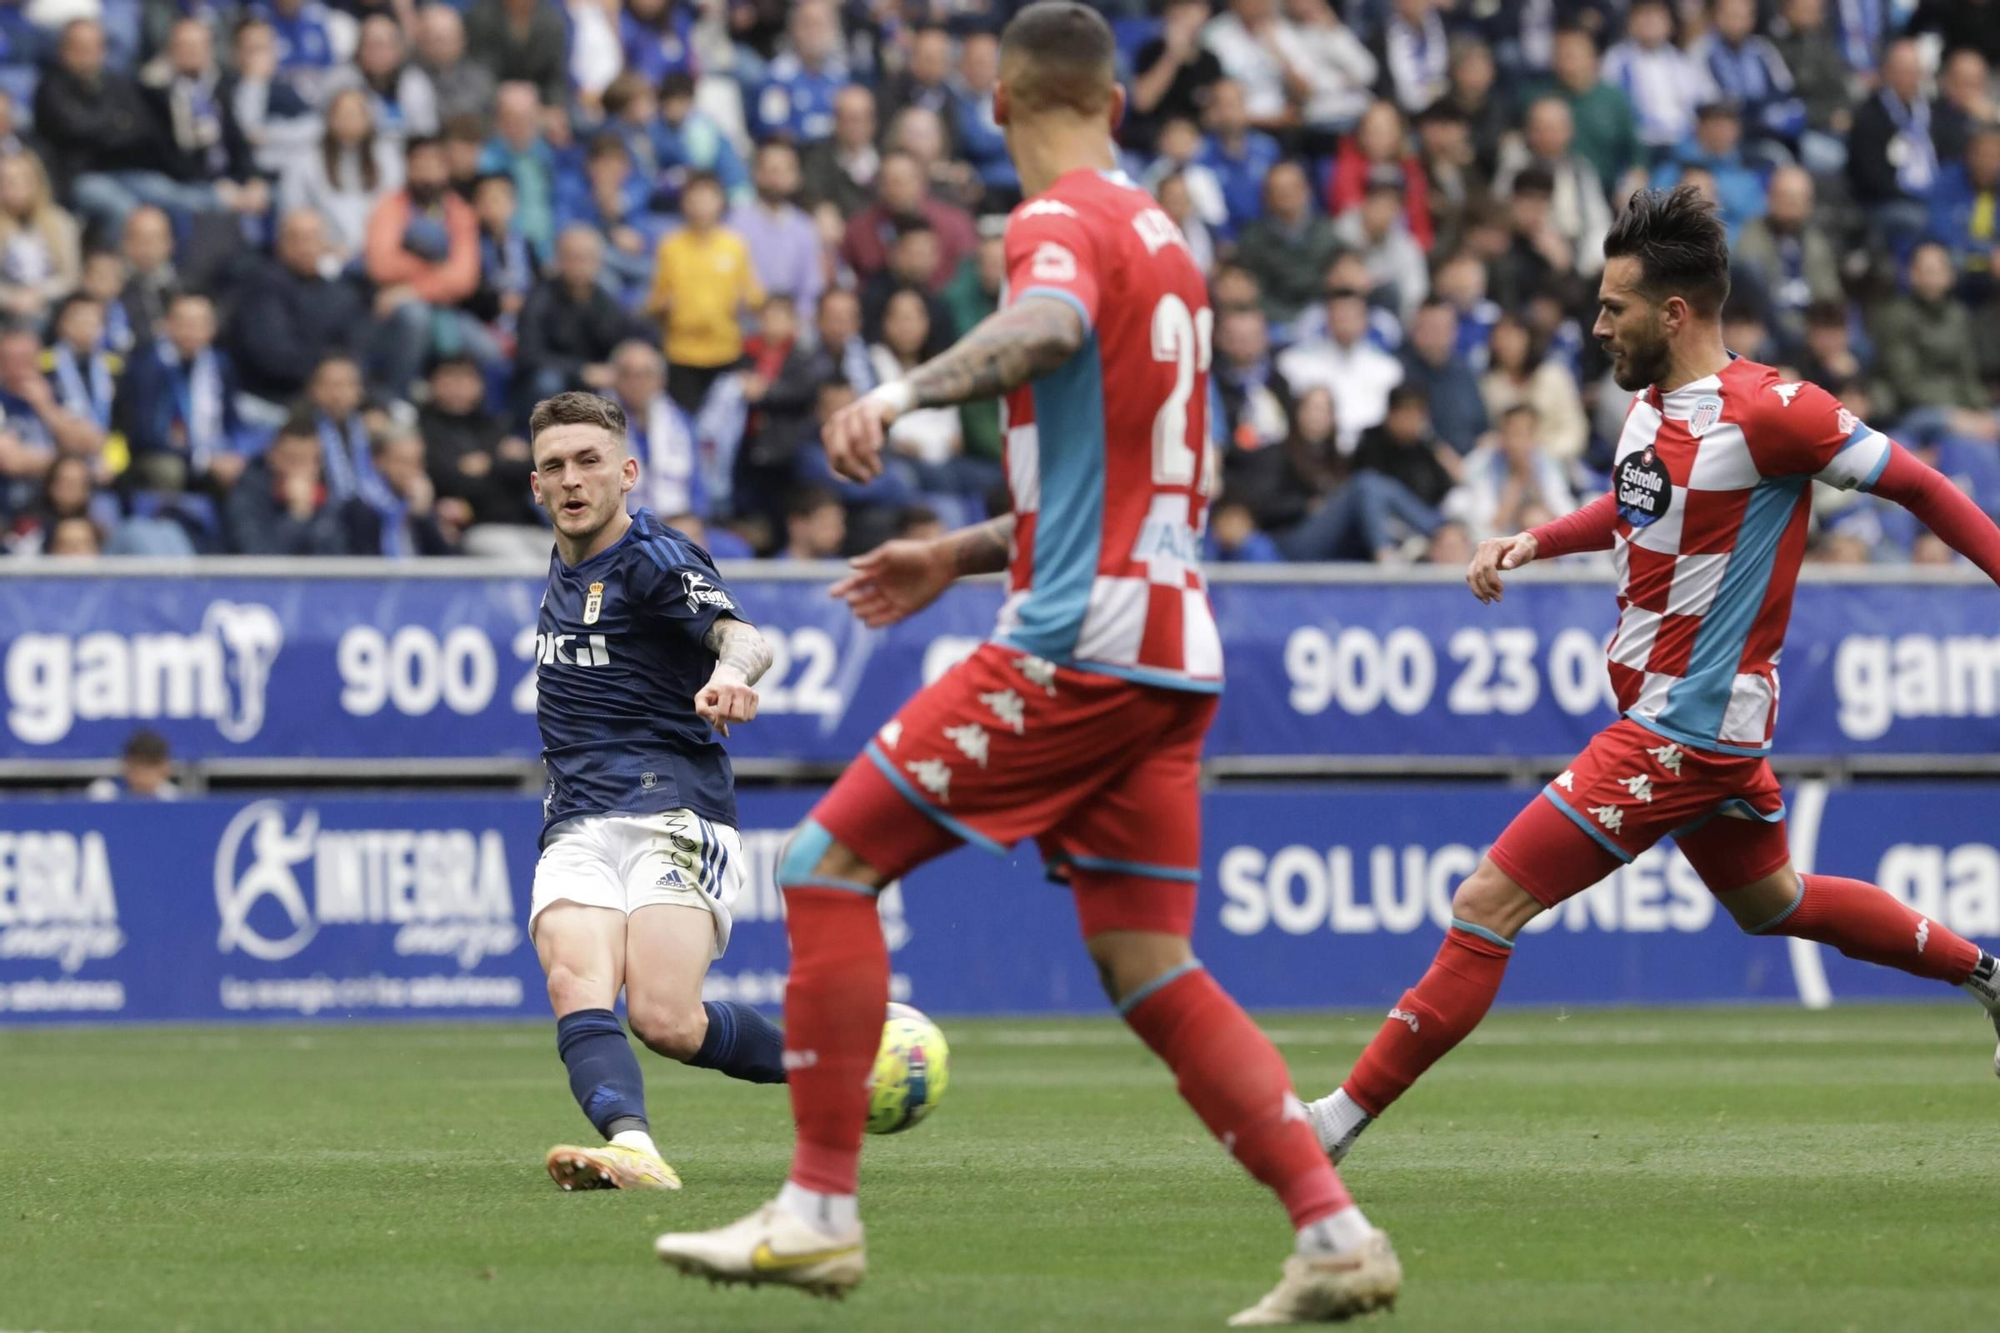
[[1632, 787], [1104, 774]]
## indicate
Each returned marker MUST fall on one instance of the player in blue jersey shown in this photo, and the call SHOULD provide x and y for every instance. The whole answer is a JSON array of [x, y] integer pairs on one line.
[[643, 658]]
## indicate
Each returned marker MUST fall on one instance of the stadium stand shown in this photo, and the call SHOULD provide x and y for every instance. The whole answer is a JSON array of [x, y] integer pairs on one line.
[[287, 277]]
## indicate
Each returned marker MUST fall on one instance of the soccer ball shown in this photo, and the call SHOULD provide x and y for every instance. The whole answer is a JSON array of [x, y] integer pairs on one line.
[[911, 1070]]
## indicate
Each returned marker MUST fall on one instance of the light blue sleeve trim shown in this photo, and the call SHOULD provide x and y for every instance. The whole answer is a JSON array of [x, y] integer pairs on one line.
[[1596, 834], [1111, 865], [1881, 464], [1159, 983], [1075, 301], [1695, 743], [1785, 915], [909, 793], [1482, 932]]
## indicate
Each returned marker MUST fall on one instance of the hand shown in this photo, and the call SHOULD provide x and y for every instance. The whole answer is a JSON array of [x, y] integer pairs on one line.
[[1494, 555], [894, 581], [253, 196], [853, 437], [755, 386], [725, 699]]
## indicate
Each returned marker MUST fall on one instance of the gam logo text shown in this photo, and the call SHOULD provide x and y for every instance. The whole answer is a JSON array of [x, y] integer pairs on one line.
[[54, 681]]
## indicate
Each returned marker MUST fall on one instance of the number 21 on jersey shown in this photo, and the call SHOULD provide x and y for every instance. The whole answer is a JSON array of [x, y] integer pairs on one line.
[[1184, 338]]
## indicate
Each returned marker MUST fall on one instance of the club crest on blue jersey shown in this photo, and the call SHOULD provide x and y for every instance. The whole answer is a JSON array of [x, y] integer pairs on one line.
[[1644, 488], [593, 604], [1707, 411]]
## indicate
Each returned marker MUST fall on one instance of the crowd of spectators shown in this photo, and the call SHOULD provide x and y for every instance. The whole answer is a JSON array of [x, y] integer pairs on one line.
[[284, 277]]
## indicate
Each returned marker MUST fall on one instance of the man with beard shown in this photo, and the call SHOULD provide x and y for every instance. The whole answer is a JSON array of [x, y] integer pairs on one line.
[[1711, 497], [784, 243]]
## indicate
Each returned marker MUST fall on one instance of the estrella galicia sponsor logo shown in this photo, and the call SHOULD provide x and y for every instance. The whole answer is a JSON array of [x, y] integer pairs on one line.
[[56, 898], [700, 592], [219, 672], [278, 884], [1644, 488]]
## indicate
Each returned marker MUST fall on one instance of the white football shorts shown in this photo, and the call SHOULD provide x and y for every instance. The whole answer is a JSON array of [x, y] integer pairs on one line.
[[627, 862]]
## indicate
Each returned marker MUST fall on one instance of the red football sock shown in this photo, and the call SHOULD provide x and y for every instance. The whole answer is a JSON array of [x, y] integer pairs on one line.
[[1428, 1021], [834, 1003], [1870, 924], [1237, 1083]]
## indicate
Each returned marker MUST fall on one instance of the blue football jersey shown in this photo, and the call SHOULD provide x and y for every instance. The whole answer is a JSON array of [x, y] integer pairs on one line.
[[619, 657]]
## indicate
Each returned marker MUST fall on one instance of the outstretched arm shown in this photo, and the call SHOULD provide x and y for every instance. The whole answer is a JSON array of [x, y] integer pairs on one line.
[[900, 578], [1943, 508], [742, 657], [1002, 352], [1590, 528]]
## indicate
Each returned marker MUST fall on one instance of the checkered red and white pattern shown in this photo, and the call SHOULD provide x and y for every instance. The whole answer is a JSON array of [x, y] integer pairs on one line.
[[1132, 435], [1705, 591]]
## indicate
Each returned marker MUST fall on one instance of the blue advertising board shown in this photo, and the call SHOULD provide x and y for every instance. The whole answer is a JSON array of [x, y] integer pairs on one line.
[[376, 667], [1313, 896]]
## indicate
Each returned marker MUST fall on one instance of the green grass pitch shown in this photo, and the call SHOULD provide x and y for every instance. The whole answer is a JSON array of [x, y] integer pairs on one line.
[[1714, 1170]]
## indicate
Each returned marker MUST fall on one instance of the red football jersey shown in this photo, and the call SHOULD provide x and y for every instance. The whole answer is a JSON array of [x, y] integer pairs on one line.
[[1108, 457], [1713, 484]]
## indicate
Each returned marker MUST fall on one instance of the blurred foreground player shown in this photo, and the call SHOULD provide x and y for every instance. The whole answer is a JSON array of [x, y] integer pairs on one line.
[[642, 655], [1080, 725], [1707, 522]]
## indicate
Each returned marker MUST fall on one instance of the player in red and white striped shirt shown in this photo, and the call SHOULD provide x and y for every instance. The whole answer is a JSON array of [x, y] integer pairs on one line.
[[1707, 523]]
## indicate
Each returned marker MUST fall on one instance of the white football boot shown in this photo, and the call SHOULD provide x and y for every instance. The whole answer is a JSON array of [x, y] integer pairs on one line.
[[1985, 984], [1329, 1288], [771, 1246]]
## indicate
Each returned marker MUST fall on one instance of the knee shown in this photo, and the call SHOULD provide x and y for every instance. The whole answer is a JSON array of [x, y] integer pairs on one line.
[[674, 1031], [571, 990], [1761, 908], [1492, 901]]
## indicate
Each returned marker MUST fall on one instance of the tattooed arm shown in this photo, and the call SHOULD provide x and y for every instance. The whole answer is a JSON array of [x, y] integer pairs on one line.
[[983, 548], [741, 657], [1003, 351]]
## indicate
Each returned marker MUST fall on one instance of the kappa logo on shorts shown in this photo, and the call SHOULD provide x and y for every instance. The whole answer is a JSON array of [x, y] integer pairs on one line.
[[1610, 816], [971, 740], [934, 776], [892, 732], [1640, 786], [1039, 671], [1566, 780], [1009, 707], [1669, 757]]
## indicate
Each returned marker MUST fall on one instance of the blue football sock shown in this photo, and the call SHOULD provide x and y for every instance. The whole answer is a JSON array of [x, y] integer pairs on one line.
[[741, 1043], [603, 1072]]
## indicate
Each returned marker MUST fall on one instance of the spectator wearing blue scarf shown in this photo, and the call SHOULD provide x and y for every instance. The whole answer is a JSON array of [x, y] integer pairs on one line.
[[178, 401]]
